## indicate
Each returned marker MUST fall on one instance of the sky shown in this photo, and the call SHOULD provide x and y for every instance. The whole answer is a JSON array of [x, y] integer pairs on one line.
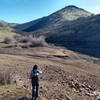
[[21, 11]]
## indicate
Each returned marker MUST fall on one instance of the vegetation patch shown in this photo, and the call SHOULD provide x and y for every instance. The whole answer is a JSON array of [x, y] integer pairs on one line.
[[24, 42], [97, 62], [4, 62], [4, 32], [3, 45], [30, 41], [12, 92]]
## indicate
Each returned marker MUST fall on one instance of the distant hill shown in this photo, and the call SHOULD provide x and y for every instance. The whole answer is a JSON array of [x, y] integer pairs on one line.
[[68, 13], [6, 24], [6, 30], [81, 35], [26, 25], [71, 27], [3, 23]]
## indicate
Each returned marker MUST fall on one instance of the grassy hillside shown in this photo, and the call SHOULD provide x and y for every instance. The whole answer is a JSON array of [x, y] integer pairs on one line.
[[82, 35], [68, 13], [6, 32], [64, 66], [13, 92], [72, 27]]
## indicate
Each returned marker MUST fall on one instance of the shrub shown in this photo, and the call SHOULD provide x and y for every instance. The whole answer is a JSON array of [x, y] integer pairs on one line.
[[5, 77], [26, 41], [23, 39], [30, 41], [9, 40], [38, 41]]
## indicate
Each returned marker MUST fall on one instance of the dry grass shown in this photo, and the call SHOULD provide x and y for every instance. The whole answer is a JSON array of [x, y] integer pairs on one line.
[[24, 42], [3, 45], [5, 77], [30, 41], [9, 40], [5, 32], [59, 68], [12, 92]]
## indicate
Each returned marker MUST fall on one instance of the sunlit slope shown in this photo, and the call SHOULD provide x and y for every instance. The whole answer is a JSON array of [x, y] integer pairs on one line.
[[6, 32]]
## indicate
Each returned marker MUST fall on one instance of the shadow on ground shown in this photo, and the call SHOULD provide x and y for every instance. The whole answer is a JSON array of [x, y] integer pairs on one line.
[[24, 98]]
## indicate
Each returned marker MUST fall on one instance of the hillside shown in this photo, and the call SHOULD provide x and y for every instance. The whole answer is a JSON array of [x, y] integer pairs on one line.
[[6, 24], [3, 23], [66, 47], [81, 33], [25, 25], [82, 36], [66, 74], [6, 30], [72, 27], [68, 13]]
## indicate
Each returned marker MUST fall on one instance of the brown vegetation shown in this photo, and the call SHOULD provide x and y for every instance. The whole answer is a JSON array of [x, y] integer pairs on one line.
[[9, 40], [65, 75], [31, 41], [5, 77], [25, 41]]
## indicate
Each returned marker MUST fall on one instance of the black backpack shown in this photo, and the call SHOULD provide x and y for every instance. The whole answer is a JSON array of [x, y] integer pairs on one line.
[[35, 76]]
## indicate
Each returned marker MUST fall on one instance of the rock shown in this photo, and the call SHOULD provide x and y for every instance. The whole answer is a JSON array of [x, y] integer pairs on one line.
[[89, 94], [97, 94], [78, 85], [94, 94], [67, 97]]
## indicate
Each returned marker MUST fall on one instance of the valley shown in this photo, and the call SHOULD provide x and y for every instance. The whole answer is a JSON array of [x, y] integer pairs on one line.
[[65, 45]]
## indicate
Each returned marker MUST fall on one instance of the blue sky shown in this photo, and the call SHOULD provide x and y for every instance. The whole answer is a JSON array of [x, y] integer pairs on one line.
[[20, 11]]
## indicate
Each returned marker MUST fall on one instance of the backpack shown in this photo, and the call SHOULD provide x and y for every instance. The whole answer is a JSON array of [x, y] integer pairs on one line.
[[34, 76]]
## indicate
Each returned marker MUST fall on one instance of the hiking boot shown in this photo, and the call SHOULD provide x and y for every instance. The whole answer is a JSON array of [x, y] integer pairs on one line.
[[36, 97], [32, 99]]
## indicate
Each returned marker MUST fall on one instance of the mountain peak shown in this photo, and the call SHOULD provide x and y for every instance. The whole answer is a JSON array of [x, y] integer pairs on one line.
[[71, 6], [71, 13], [67, 14]]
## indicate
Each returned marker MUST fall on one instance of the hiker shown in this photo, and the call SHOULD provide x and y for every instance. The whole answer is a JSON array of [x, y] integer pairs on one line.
[[34, 76]]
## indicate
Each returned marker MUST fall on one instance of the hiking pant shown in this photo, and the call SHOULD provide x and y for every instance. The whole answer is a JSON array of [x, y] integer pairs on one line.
[[35, 89]]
